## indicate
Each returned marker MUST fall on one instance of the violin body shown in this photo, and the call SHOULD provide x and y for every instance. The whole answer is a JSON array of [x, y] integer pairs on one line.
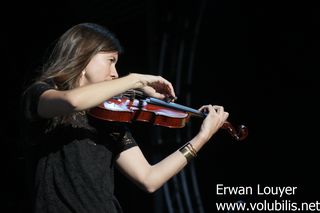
[[127, 110]]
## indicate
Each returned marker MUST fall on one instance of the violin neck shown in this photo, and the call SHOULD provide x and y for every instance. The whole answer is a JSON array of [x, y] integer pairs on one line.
[[176, 107]]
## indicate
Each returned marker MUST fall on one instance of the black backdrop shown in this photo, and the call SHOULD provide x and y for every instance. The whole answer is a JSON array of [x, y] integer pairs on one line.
[[258, 59]]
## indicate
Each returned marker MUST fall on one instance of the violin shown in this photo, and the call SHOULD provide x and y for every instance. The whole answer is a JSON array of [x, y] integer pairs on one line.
[[134, 106]]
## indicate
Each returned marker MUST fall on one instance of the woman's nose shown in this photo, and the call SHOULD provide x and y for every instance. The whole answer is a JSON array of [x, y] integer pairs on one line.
[[114, 73]]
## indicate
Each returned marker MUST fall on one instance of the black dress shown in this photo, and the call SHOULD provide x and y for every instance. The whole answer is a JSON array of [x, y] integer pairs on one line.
[[71, 165]]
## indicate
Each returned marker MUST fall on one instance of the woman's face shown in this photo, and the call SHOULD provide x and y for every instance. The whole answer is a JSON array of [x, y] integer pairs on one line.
[[102, 67]]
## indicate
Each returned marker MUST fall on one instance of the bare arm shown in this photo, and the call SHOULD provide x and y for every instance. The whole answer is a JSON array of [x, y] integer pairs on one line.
[[151, 177], [55, 102]]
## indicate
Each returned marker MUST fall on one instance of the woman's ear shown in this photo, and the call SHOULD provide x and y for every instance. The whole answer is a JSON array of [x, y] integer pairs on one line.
[[82, 79]]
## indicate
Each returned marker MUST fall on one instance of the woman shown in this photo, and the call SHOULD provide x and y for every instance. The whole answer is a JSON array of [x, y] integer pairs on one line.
[[72, 154]]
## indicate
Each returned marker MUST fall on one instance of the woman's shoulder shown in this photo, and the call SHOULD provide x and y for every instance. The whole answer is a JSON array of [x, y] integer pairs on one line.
[[41, 84], [37, 87], [31, 94]]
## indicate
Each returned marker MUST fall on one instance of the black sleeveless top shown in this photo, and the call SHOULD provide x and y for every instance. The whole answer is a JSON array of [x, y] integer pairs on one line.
[[71, 166]]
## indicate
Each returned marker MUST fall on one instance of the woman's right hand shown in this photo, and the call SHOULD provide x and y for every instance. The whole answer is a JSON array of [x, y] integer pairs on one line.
[[155, 86], [216, 116]]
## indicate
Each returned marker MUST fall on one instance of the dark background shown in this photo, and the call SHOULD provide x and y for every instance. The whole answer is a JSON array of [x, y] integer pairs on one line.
[[258, 59]]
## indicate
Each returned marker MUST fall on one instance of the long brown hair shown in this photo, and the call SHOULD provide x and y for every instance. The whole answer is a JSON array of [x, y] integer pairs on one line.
[[74, 50], [70, 55]]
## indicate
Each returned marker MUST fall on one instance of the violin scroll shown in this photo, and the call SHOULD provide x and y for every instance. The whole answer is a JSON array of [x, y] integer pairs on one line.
[[239, 134]]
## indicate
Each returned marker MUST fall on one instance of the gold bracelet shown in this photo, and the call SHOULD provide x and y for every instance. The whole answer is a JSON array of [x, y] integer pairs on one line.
[[186, 151], [192, 149]]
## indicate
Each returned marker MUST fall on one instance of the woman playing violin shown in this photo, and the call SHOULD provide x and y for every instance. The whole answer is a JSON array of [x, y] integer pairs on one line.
[[72, 155]]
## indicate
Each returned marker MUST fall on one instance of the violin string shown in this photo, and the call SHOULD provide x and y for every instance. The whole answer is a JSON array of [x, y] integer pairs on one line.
[[132, 93]]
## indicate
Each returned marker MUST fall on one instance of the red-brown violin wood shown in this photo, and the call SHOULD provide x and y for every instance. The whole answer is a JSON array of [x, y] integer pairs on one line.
[[128, 108]]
